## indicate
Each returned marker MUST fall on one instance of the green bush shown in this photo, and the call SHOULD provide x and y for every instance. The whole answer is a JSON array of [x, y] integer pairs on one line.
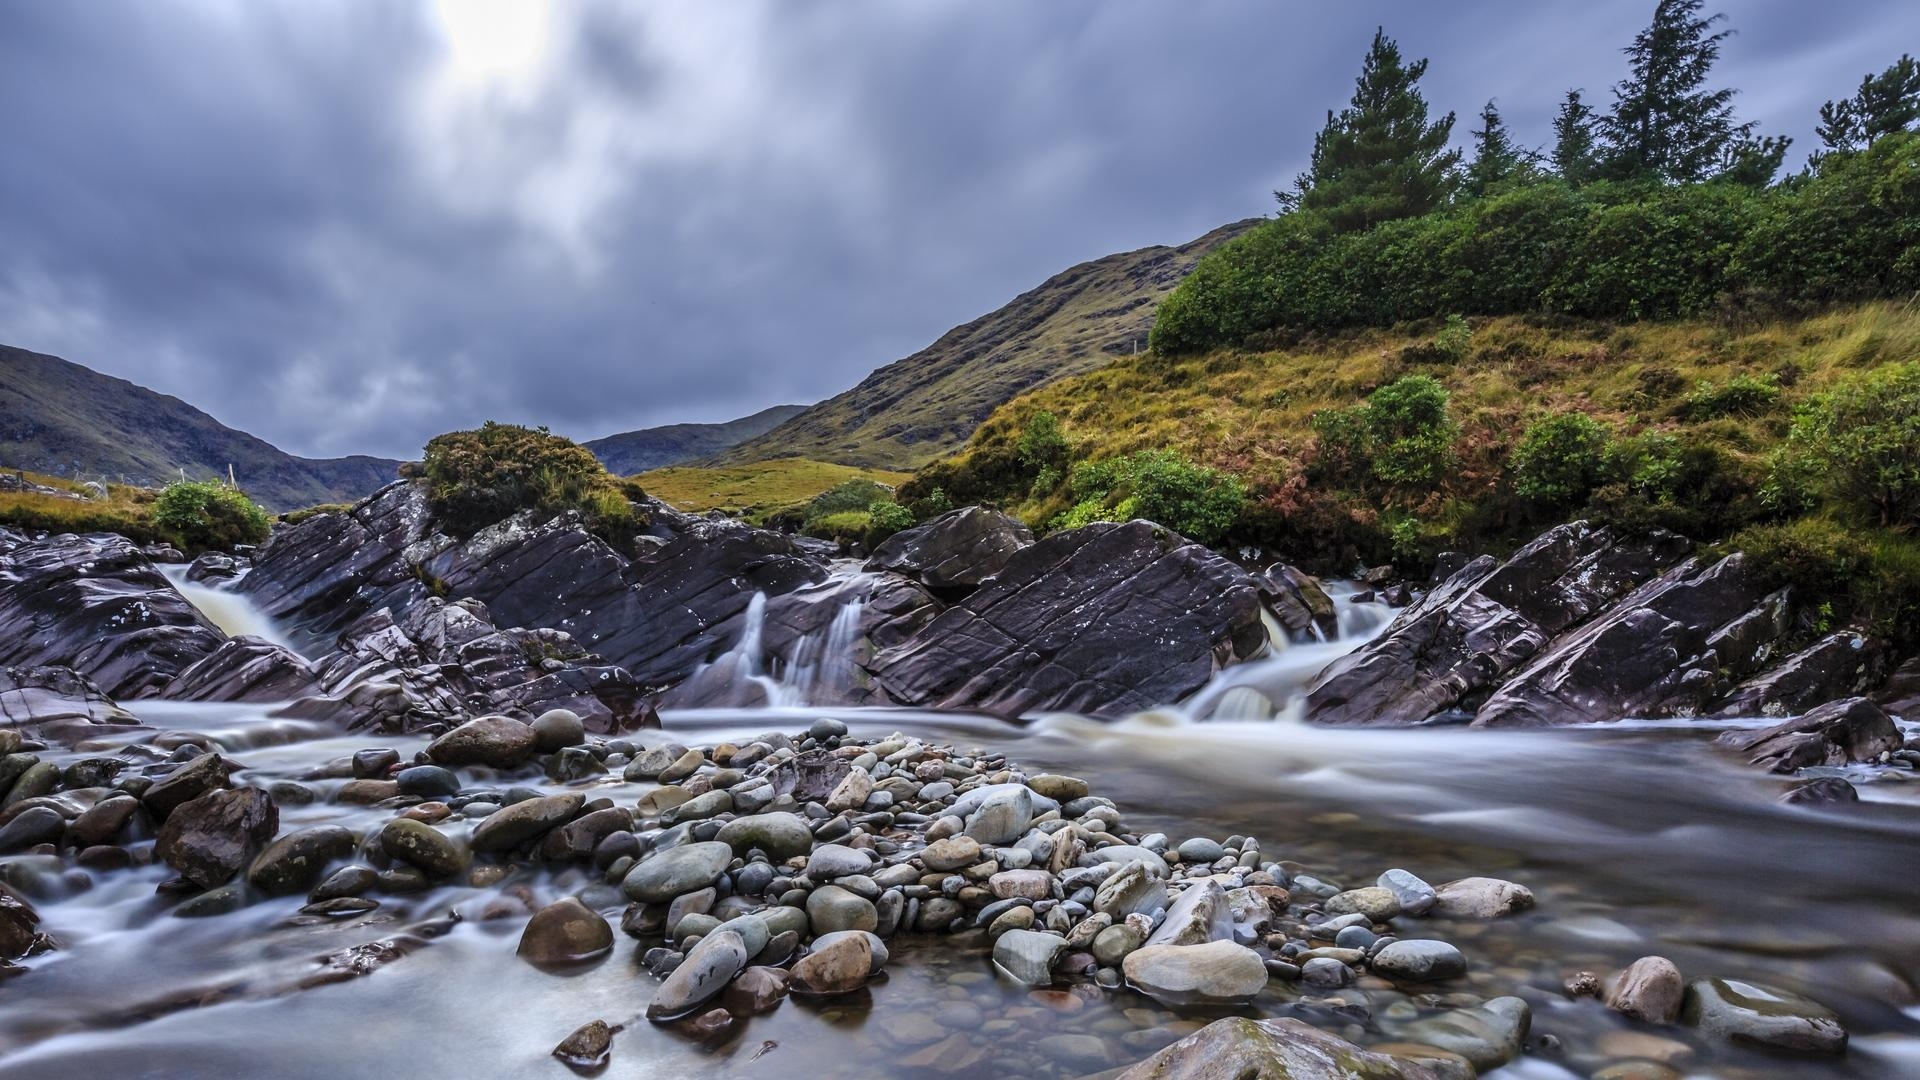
[[1859, 445], [206, 514], [1742, 395], [1042, 445], [884, 518], [483, 476], [1198, 502], [1561, 459], [1402, 436], [1868, 577], [852, 495], [931, 505]]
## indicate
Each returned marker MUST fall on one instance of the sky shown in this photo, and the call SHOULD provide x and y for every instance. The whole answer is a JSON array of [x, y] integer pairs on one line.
[[348, 226]]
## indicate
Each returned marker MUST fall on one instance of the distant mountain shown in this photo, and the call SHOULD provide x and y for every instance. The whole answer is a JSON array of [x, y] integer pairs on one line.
[[652, 448], [61, 418], [914, 410]]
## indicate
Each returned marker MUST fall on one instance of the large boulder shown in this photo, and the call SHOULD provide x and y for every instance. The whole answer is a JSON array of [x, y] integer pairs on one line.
[[953, 553], [1854, 729], [1241, 1049], [95, 604], [500, 742], [1214, 973], [209, 839], [1841, 664], [1107, 619], [244, 669]]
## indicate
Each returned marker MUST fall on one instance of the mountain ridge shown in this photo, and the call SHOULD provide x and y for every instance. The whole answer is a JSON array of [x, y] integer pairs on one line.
[[629, 452]]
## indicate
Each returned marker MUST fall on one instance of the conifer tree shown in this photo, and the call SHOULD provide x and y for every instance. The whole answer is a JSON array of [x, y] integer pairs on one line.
[[1885, 103], [1496, 158], [1573, 140], [1379, 159], [1666, 124]]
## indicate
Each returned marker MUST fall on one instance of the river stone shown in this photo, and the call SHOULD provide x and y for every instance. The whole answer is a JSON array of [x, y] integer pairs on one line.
[[557, 729], [699, 808], [649, 764], [1417, 961], [951, 854], [781, 835], [1218, 972], [34, 825], [293, 863], [1130, 889], [1488, 1035], [851, 793], [1122, 854], [831, 908], [1481, 898], [427, 781], [1003, 817], [705, 972], [208, 772], [588, 1049], [417, 843], [840, 967], [1416, 897], [1201, 914], [1026, 884], [830, 861], [103, 822], [1650, 989], [1058, 788], [1749, 1014], [754, 991], [753, 931], [210, 838], [1201, 850], [1027, 956], [1853, 729], [564, 932], [875, 947], [782, 919], [1112, 944], [666, 874], [1241, 1049], [525, 821], [1375, 902], [500, 742]]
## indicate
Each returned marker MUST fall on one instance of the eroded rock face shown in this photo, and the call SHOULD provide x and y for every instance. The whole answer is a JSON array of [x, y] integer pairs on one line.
[[97, 605], [58, 703], [1299, 603], [244, 669], [1106, 619], [953, 553], [1853, 729], [1241, 1049]]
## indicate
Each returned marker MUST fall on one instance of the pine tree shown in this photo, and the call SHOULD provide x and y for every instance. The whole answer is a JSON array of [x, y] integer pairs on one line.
[[1665, 124], [1573, 140], [1379, 159], [1885, 103], [1496, 159]]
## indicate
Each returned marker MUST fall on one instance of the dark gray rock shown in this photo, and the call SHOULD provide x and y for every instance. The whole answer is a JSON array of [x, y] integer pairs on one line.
[[1302, 607], [953, 553], [1106, 619], [1841, 664], [244, 669], [210, 838], [1270, 1050], [1836, 733], [58, 704]]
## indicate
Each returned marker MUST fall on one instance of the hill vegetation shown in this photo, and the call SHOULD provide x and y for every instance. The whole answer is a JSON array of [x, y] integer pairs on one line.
[[756, 491], [919, 408], [61, 419], [193, 515]]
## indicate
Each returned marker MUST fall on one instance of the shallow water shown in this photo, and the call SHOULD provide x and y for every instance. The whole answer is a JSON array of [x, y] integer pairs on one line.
[[1636, 839]]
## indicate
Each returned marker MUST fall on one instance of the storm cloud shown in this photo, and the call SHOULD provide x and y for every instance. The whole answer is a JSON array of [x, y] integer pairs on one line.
[[348, 226]]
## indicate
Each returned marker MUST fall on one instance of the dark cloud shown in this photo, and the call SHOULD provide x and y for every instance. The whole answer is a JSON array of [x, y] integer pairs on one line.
[[346, 227]]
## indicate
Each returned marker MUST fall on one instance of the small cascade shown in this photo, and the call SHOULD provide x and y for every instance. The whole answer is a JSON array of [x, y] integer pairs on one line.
[[819, 668], [822, 666], [232, 613], [1275, 686]]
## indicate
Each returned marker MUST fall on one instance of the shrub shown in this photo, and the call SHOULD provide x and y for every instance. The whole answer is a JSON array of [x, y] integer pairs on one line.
[[931, 505], [1198, 502], [1858, 444], [884, 518], [1042, 446], [1411, 431], [1561, 458], [483, 476], [844, 526], [206, 514], [1865, 576], [1742, 395]]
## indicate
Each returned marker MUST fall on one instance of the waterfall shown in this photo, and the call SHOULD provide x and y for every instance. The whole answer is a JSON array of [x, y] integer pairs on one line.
[[233, 614], [1275, 686]]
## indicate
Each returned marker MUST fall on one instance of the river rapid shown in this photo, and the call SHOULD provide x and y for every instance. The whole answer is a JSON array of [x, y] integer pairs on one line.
[[1636, 838]]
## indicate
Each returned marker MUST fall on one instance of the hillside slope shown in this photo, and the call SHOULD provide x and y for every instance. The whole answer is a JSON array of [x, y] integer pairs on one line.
[[633, 452], [64, 419], [916, 409]]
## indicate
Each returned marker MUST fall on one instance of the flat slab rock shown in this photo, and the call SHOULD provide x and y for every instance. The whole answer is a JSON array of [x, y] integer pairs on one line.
[[1105, 620], [1241, 1049]]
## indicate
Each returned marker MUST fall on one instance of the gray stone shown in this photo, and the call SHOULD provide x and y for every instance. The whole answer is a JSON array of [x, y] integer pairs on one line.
[[1488, 1035], [666, 874], [781, 835], [525, 821], [831, 908], [1129, 890], [704, 973], [565, 932], [1481, 898], [1416, 897], [1650, 989], [1418, 961], [496, 741], [1753, 1015], [1201, 914], [1027, 956], [1243, 1049], [830, 861], [1218, 972], [557, 729]]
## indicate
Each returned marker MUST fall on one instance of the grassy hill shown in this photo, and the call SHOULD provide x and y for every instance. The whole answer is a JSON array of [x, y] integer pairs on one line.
[[62, 419], [633, 452], [916, 409], [755, 489]]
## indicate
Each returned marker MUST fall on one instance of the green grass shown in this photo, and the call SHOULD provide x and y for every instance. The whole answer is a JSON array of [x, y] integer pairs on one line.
[[755, 490], [126, 510]]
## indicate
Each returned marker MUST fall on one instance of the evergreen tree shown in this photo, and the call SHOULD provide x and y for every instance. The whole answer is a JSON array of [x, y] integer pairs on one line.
[[1754, 161], [1379, 159], [1665, 124], [1573, 140], [1885, 103], [1496, 159]]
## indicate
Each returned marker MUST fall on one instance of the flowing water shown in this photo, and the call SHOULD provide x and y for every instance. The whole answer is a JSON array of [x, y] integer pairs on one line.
[[1636, 839]]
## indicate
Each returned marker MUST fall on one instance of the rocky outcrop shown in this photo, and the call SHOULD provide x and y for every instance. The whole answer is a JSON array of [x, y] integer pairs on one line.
[[1835, 733], [1105, 619], [1584, 625], [1243, 1049], [58, 704], [95, 604], [1301, 607], [953, 553], [245, 669]]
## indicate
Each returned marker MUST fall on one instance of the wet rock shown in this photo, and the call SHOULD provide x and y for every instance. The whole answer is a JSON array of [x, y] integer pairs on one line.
[[1106, 619], [209, 839], [1481, 898], [1376, 902], [59, 704], [557, 729], [754, 991], [838, 968], [104, 821], [525, 821], [496, 741], [588, 1049], [344, 882], [294, 862], [1003, 817], [1824, 791], [953, 553], [1650, 990], [1415, 896], [565, 932], [1129, 890], [578, 839], [418, 844], [1027, 956], [1201, 914], [831, 908], [666, 874], [1753, 1015], [19, 926], [427, 781], [208, 772], [244, 669], [1840, 665], [1298, 603], [830, 861], [1218, 972], [809, 777], [1418, 961], [1488, 1035], [1836, 733], [35, 825], [1243, 1049], [703, 974], [951, 853]]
